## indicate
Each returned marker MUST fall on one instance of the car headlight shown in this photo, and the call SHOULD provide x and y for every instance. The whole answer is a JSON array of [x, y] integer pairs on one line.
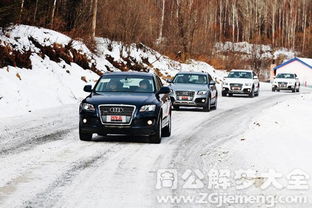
[[148, 108], [248, 84], [202, 92], [87, 107]]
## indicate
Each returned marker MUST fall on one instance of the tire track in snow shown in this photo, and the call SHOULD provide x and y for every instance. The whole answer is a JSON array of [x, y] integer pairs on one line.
[[34, 141], [53, 193]]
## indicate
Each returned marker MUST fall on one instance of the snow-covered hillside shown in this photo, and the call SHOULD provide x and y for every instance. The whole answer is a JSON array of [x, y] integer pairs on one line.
[[261, 51], [59, 67]]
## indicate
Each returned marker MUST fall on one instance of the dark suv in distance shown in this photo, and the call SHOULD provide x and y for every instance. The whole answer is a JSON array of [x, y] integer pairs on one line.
[[127, 103]]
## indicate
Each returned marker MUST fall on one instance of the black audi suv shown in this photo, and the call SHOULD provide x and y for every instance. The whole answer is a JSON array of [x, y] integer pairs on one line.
[[127, 103]]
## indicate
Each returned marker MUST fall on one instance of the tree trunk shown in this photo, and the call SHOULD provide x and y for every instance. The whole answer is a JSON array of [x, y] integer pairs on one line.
[[36, 10], [94, 16], [53, 12], [160, 37], [21, 11]]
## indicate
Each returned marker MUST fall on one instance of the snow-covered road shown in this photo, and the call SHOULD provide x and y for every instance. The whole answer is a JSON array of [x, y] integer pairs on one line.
[[43, 163]]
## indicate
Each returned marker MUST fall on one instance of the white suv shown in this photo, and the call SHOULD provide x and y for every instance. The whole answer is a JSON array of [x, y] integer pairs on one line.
[[241, 82], [286, 81]]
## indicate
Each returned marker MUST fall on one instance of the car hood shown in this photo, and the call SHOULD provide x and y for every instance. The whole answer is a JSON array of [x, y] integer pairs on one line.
[[137, 99], [238, 80], [188, 87], [283, 80]]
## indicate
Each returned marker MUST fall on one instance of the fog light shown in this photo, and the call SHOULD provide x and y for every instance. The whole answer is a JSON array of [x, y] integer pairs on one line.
[[149, 122], [84, 120], [203, 100]]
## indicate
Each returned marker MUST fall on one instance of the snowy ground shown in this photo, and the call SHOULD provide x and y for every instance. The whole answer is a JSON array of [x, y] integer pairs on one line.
[[43, 163]]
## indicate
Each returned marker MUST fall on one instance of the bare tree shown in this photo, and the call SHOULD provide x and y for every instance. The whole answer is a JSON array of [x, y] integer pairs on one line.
[[94, 17], [53, 12], [21, 11]]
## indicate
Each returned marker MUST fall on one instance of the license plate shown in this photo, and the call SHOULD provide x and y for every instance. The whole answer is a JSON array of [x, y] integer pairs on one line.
[[282, 85], [116, 118], [185, 98], [236, 88]]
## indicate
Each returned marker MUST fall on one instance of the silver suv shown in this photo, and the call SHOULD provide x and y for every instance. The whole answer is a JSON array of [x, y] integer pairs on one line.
[[194, 89]]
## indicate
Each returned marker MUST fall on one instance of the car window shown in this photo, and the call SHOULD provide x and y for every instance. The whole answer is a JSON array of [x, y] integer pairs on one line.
[[240, 75], [210, 78], [190, 79], [159, 83], [125, 84], [285, 76]]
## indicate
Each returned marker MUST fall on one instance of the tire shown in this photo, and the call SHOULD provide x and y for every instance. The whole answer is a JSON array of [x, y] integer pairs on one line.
[[298, 90], [252, 93], [176, 107], [207, 108], [295, 89], [166, 132], [156, 138], [215, 106], [224, 93], [278, 90], [85, 136], [273, 89], [257, 94]]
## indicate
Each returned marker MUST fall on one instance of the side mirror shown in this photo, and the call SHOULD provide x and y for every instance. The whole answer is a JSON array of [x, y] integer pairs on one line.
[[212, 83], [169, 80], [87, 88], [164, 90]]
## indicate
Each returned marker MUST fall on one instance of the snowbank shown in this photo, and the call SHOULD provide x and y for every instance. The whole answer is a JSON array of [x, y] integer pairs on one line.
[[279, 140]]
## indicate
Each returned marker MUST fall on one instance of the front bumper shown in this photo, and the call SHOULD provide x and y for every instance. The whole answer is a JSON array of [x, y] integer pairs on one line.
[[91, 123], [197, 101], [283, 87], [243, 90]]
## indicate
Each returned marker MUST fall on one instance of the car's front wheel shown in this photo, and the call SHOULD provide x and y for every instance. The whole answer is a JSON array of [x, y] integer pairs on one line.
[[176, 107], [207, 108], [156, 138], [252, 93], [224, 93], [166, 132], [85, 136]]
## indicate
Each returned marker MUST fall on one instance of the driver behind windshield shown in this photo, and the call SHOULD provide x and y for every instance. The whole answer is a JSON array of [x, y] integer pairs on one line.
[[144, 86], [114, 85]]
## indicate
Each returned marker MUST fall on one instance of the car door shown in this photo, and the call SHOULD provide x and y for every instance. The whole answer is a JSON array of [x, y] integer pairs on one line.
[[297, 80], [165, 101], [213, 89], [256, 81]]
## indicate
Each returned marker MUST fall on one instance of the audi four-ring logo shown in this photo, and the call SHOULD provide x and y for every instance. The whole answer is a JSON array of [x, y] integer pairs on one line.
[[116, 110]]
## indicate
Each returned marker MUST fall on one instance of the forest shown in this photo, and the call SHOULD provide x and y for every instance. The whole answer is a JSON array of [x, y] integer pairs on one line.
[[185, 28]]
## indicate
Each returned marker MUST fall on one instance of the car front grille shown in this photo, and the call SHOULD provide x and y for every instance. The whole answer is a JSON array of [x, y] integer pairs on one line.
[[282, 83], [236, 86], [185, 95], [124, 111]]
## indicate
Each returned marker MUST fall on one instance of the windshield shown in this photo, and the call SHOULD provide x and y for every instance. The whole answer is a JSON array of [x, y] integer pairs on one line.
[[285, 76], [240, 75], [190, 79], [125, 84]]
